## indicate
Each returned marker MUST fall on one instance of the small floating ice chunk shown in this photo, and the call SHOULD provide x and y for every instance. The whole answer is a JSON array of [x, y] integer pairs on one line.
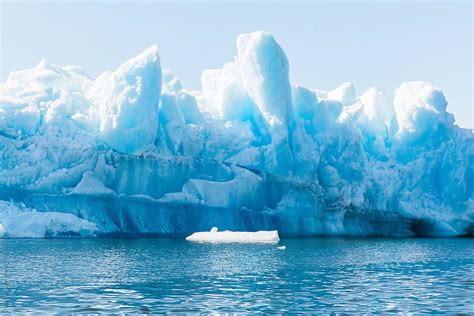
[[281, 247], [240, 237]]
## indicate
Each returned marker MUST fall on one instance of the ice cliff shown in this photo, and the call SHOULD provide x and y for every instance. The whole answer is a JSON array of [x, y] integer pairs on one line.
[[132, 152]]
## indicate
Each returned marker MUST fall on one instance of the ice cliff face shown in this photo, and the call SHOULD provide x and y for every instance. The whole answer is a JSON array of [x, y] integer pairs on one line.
[[132, 152]]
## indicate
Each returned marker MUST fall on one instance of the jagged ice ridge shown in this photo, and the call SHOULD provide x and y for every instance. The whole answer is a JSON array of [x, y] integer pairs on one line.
[[132, 152]]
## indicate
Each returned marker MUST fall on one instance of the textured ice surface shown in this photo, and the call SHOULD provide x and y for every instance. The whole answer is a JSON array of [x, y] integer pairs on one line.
[[215, 236], [125, 103], [18, 221], [133, 152]]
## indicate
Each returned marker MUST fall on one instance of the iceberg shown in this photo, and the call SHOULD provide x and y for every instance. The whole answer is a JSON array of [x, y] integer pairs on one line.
[[134, 153], [215, 236]]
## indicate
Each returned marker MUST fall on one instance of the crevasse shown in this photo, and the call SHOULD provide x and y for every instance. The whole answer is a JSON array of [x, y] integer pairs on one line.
[[132, 152]]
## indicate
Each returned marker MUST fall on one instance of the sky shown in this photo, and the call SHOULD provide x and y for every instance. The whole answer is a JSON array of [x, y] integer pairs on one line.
[[378, 44]]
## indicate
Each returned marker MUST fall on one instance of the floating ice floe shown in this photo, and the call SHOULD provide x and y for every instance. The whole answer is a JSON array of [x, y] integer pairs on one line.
[[215, 236]]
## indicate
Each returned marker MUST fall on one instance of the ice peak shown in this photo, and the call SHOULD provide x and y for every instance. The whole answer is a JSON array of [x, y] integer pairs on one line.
[[345, 93], [244, 38], [265, 71], [419, 106], [376, 105], [421, 94], [148, 56], [127, 102], [43, 63]]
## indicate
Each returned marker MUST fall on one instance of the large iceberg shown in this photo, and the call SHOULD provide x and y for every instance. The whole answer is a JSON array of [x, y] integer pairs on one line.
[[133, 153]]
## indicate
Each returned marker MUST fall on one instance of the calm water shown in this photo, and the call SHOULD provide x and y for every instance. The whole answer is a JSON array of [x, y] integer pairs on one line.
[[158, 275]]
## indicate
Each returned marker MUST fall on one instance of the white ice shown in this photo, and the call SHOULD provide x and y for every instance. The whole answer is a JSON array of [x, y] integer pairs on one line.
[[215, 236]]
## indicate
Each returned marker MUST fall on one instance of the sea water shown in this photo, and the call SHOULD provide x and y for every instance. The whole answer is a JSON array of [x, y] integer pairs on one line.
[[171, 275]]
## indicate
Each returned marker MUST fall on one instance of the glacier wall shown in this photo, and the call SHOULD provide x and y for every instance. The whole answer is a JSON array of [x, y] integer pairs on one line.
[[133, 153]]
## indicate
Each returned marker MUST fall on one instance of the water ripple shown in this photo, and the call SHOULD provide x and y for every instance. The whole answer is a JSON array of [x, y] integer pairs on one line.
[[165, 275]]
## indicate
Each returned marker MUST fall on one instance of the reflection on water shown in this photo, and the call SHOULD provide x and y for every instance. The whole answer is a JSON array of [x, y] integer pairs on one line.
[[165, 275], [5, 275]]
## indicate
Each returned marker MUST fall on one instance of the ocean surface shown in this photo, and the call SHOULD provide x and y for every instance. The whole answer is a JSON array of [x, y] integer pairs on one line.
[[170, 275]]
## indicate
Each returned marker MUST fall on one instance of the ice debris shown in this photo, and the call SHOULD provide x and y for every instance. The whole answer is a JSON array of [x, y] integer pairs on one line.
[[215, 236]]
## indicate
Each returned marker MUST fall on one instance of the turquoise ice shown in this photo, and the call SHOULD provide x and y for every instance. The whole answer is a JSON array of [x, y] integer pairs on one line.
[[133, 152]]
